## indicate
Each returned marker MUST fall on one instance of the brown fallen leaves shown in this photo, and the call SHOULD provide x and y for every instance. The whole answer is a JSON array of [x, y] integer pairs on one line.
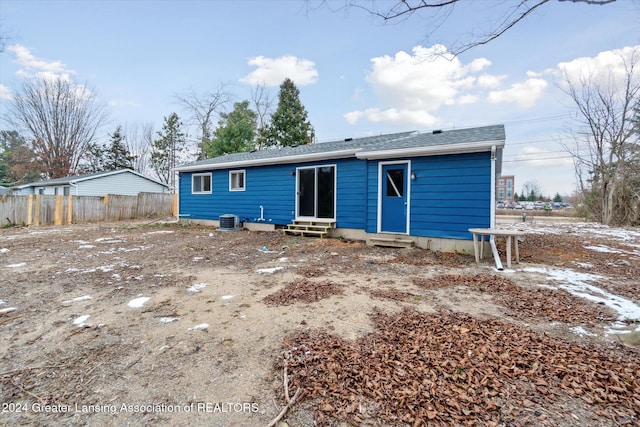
[[524, 303], [453, 369], [303, 291]]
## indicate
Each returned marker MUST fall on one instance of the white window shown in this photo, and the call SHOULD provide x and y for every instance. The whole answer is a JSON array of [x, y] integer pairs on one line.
[[236, 180], [201, 183]]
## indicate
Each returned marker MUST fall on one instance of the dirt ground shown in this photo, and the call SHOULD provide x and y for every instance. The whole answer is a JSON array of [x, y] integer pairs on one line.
[[130, 324]]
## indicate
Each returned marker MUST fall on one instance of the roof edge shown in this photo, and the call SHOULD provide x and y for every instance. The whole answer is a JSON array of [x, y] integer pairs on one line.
[[434, 150], [339, 154]]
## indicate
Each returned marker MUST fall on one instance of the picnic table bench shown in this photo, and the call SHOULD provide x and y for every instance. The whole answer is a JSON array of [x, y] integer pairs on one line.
[[509, 234]]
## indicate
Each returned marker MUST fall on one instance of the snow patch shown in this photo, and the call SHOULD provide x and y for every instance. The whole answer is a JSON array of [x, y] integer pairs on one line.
[[20, 264], [269, 270], [169, 319], [225, 297], [576, 284], [76, 299], [138, 302], [603, 249], [197, 287], [579, 330], [7, 310], [79, 321], [201, 326]]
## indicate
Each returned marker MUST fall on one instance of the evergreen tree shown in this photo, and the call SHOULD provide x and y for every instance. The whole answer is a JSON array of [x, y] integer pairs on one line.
[[118, 155], [167, 148], [114, 157], [236, 132], [289, 125]]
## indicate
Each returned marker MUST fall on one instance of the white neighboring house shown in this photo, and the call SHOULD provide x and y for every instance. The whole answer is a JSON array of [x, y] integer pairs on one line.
[[123, 182]]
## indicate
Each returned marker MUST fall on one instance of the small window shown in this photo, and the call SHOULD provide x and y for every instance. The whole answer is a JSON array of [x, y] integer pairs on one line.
[[201, 183], [236, 181], [65, 191], [395, 183]]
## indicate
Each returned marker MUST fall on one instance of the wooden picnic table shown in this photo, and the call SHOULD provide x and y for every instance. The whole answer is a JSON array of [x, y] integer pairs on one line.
[[509, 234]]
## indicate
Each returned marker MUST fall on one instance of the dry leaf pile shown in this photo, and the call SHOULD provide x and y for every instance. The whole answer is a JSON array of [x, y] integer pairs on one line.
[[303, 291], [453, 369], [525, 303]]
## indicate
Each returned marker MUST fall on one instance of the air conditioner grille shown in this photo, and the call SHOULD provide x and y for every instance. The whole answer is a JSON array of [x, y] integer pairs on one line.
[[228, 222]]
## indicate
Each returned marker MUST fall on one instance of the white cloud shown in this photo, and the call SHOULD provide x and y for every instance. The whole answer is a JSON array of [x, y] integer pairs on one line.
[[5, 92], [608, 67], [392, 115], [272, 71], [536, 156], [412, 86], [523, 94], [36, 66], [490, 81], [467, 99]]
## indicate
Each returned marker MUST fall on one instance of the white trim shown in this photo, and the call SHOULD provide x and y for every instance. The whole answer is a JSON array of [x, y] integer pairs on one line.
[[315, 193], [300, 158], [433, 150], [210, 175], [408, 190], [244, 180]]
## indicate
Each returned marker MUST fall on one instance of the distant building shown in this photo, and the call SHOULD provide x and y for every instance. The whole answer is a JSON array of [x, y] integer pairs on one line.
[[504, 187], [123, 182]]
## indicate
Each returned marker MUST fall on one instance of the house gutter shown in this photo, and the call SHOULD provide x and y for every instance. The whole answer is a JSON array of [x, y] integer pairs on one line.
[[492, 210], [75, 186], [299, 158], [434, 150]]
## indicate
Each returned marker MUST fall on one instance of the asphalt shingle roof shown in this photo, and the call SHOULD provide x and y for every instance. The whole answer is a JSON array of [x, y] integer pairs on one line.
[[372, 143]]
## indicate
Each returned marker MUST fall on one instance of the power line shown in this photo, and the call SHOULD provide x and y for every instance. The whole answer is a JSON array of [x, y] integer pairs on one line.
[[541, 158], [538, 119]]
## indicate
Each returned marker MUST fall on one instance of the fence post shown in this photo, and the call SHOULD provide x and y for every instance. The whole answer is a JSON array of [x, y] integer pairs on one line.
[[36, 219], [70, 210], [175, 204], [106, 207], [30, 209], [57, 219]]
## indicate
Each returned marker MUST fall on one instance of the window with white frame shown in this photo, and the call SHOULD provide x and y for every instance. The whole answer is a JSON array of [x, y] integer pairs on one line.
[[237, 180], [201, 183]]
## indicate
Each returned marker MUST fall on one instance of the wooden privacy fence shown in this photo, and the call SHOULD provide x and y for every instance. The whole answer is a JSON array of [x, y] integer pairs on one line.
[[57, 210]]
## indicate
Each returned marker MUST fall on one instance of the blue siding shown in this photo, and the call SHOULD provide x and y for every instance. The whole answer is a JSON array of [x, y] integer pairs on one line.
[[273, 187], [449, 195]]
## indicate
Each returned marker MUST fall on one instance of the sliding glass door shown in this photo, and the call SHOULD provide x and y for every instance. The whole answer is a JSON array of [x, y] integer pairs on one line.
[[316, 192]]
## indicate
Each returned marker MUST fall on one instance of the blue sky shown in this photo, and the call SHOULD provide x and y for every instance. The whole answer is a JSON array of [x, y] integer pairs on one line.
[[357, 75]]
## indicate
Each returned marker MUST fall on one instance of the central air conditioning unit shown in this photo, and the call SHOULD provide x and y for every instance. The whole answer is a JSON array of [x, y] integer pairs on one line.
[[229, 222]]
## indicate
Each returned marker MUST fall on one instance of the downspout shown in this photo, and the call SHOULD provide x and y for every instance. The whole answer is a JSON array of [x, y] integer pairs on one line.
[[492, 210]]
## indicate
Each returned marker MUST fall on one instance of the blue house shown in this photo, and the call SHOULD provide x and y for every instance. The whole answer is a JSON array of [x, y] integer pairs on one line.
[[426, 189]]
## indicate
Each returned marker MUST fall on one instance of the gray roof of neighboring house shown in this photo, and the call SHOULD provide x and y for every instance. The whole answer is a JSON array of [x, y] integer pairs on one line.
[[3, 190], [396, 142], [82, 177]]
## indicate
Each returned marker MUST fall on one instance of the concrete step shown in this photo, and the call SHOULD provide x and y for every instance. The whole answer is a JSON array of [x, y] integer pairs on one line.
[[391, 242]]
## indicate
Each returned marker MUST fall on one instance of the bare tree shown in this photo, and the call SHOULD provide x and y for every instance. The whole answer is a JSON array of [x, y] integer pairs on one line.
[[510, 14], [60, 119], [262, 101], [531, 190], [606, 137], [204, 110], [139, 142]]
